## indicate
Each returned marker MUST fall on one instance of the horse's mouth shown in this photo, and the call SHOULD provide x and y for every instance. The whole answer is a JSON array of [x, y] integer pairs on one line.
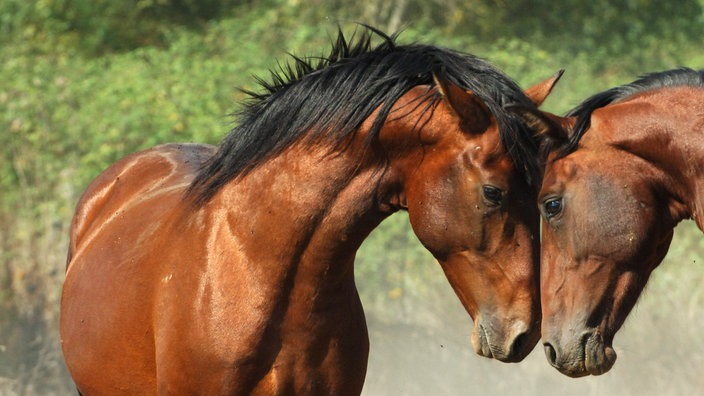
[[485, 345], [480, 341], [591, 356], [598, 357]]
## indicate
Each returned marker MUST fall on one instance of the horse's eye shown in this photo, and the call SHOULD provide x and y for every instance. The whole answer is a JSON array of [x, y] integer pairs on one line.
[[493, 195], [552, 207]]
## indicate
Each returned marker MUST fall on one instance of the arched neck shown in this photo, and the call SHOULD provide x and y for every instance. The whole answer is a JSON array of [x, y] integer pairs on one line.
[[305, 208]]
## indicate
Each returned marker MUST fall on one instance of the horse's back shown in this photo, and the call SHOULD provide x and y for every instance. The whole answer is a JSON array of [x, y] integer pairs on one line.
[[141, 176], [115, 252]]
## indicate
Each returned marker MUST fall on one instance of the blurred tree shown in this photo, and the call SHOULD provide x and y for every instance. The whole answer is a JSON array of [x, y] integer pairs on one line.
[[602, 28], [99, 26]]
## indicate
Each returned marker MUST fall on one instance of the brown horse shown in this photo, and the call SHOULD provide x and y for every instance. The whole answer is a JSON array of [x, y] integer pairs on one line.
[[202, 270], [614, 188]]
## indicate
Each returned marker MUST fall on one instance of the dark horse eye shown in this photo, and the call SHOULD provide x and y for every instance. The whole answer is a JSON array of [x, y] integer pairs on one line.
[[493, 195], [552, 207]]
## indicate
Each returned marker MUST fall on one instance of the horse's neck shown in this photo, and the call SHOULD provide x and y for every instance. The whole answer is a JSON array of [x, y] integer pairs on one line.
[[683, 157], [670, 136], [303, 209]]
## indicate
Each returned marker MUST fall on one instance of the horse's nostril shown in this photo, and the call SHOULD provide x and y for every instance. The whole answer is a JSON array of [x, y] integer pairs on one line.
[[550, 353], [518, 344]]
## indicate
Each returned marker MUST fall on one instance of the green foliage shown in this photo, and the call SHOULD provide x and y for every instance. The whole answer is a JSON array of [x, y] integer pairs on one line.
[[644, 33], [393, 269], [101, 26]]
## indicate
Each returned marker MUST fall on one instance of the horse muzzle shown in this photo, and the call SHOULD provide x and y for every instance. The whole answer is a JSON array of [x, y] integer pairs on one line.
[[510, 345], [588, 354]]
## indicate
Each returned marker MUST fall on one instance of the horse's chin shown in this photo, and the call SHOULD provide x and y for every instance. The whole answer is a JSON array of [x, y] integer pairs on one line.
[[598, 357]]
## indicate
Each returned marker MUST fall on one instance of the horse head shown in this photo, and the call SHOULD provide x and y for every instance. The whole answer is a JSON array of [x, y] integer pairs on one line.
[[473, 210], [609, 204]]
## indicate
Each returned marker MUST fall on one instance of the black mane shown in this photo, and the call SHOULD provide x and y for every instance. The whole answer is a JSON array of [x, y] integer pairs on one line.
[[328, 98], [671, 78]]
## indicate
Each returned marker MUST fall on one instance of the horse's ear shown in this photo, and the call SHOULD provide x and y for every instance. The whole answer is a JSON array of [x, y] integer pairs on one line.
[[538, 92], [544, 124], [473, 112]]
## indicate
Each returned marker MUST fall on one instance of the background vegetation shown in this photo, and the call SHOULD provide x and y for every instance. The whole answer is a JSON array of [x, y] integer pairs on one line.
[[85, 82]]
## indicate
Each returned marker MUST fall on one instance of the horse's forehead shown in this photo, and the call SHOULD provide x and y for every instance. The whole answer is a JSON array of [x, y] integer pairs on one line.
[[558, 172], [569, 174], [491, 155], [486, 154]]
